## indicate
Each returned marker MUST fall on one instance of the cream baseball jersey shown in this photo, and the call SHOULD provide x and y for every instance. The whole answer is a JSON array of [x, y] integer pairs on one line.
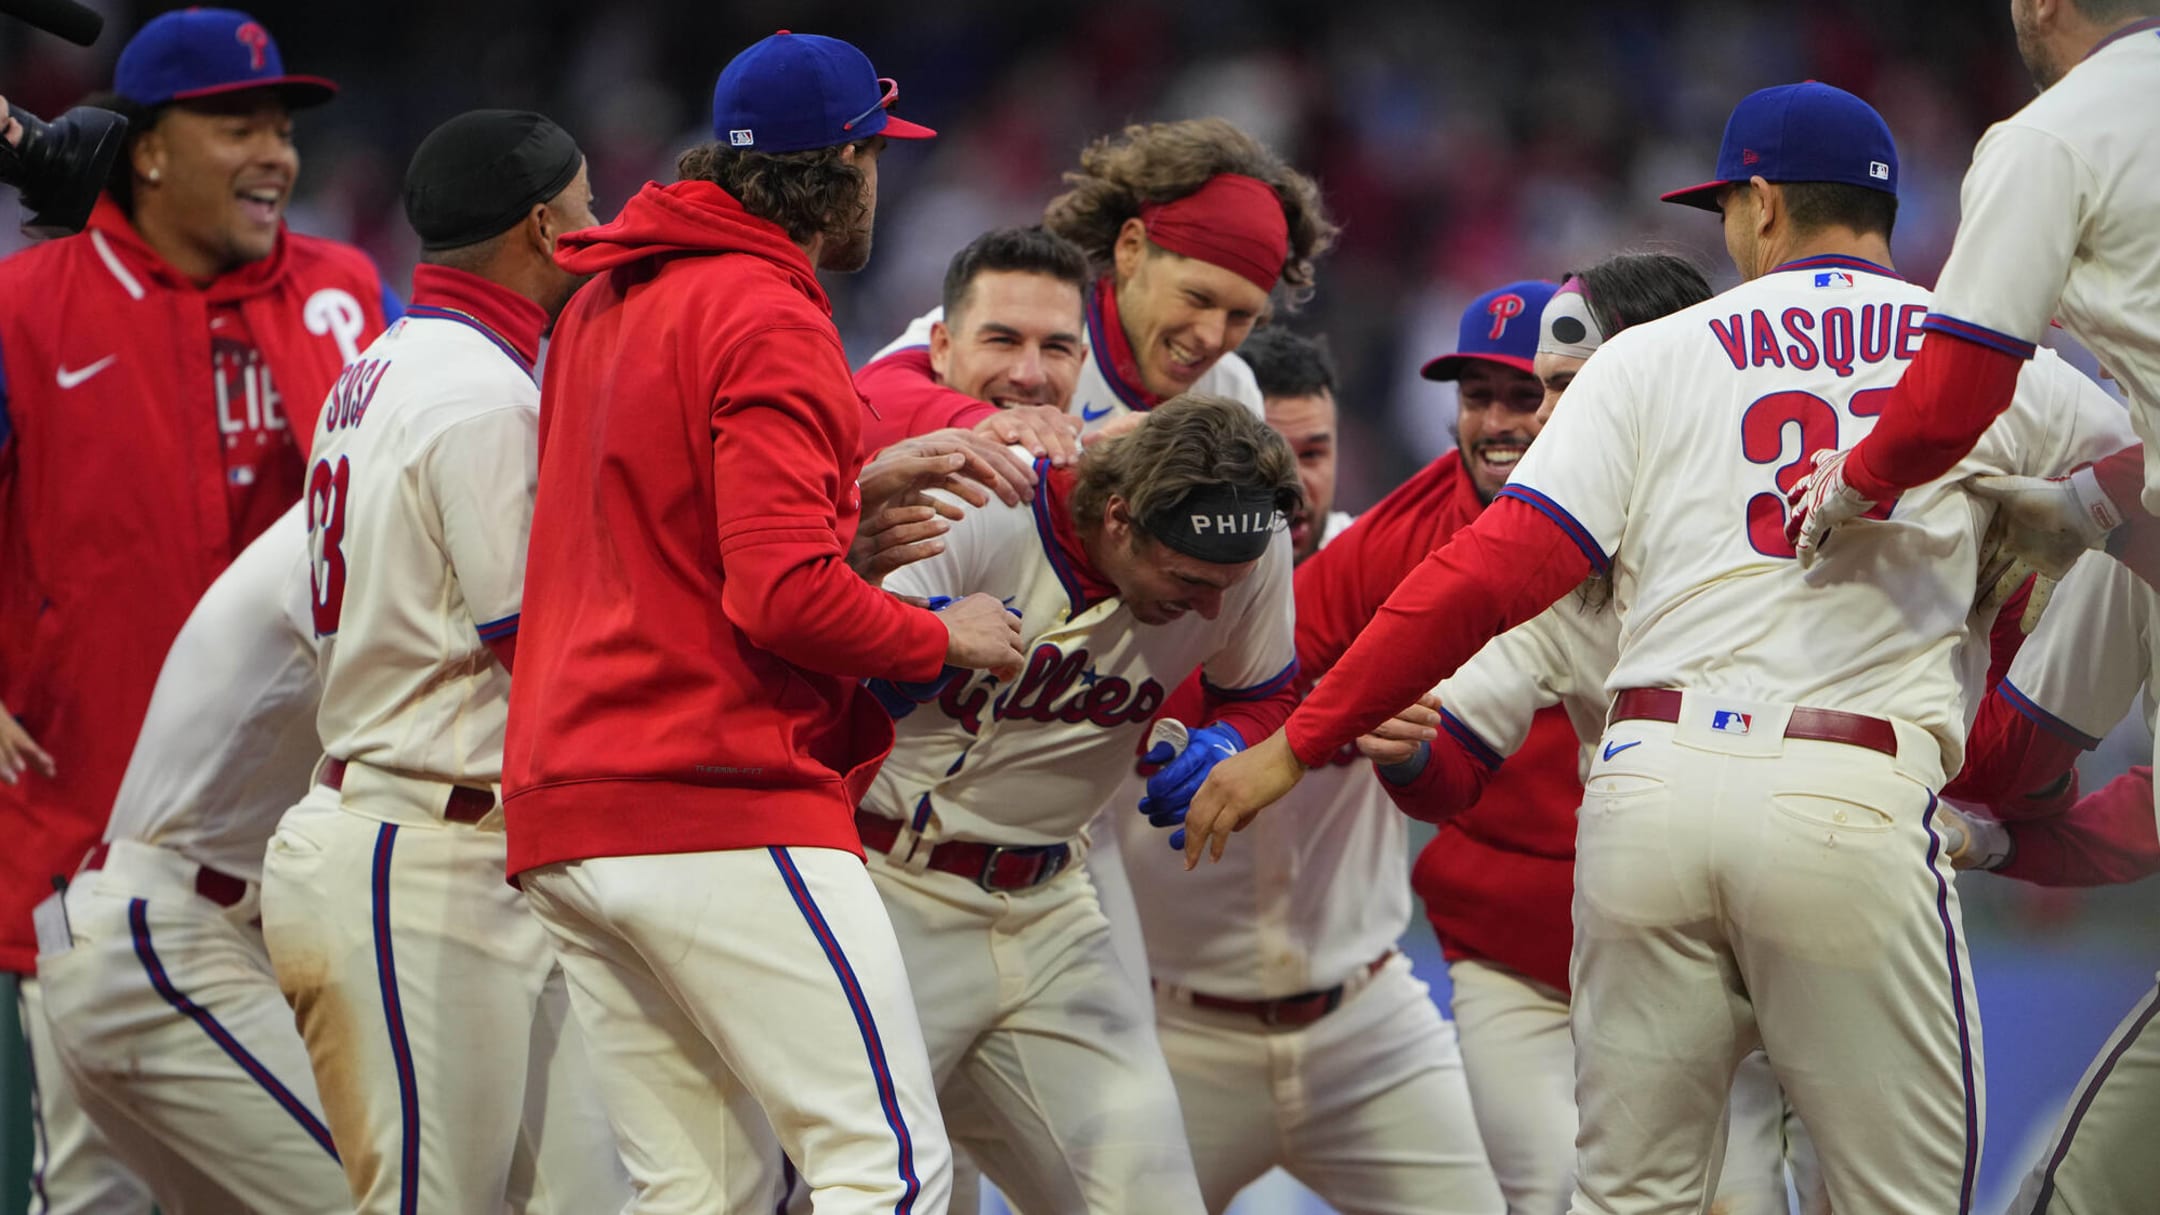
[[1272, 918], [2092, 653], [230, 736], [1728, 398], [1560, 656], [1030, 761], [2061, 220], [419, 501], [1101, 394]]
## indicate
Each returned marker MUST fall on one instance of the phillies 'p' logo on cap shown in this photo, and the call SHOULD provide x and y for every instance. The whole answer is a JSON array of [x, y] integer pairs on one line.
[[1487, 334], [257, 40], [1503, 309]]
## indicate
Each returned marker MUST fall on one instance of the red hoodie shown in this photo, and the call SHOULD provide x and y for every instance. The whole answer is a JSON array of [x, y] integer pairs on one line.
[[115, 514], [692, 637], [1498, 879]]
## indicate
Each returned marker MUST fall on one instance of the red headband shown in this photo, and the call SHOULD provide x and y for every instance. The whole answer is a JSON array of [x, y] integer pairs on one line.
[[1233, 221]]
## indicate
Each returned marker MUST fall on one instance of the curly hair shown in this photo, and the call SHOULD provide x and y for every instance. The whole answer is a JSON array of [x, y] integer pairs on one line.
[[1164, 161], [1186, 443], [806, 193]]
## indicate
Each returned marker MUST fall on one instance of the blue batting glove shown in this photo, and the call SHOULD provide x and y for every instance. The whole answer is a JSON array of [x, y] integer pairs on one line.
[[1170, 791]]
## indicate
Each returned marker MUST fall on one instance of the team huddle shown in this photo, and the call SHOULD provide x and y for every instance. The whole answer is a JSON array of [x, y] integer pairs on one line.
[[565, 742]]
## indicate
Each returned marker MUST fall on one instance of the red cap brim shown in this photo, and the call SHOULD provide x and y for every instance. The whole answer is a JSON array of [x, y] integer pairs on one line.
[[1703, 197], [901, 128], [1449, 366], [299, 91]]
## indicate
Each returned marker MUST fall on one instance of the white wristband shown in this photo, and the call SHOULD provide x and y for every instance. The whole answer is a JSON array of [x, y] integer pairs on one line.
[[2094, 504]]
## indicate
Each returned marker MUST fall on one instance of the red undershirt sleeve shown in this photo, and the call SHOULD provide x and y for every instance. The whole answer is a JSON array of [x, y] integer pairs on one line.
[[1953, 390], [2107, 838], [1512, 563]]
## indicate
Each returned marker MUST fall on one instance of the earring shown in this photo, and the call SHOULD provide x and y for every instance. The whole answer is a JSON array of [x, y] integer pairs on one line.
[[153, 175]]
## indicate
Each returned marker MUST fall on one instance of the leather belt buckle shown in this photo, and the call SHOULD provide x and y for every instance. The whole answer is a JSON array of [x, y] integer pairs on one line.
[[1049, 862]]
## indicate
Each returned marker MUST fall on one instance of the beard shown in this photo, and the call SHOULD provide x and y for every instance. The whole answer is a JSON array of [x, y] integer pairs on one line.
[[2033, 50], [850, 254]]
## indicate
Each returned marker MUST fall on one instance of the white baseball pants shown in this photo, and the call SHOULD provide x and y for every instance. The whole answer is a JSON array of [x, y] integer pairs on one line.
[[428, 997], [1031, 1020], [2103, 1157], [1366, 1106], [742, 1004], [73, 1170], [1520, 1060], [1741, 889], [172, 1032]]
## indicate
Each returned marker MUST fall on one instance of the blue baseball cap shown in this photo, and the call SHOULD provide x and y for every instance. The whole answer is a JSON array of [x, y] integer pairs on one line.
[[1800, 132], [1500, 326], [203, 52], [795, 92]]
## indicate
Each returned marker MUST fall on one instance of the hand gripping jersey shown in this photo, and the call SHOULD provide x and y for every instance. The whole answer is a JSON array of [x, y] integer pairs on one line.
[[419, 501], [1675, 462], [230, 735], [1030, 761]]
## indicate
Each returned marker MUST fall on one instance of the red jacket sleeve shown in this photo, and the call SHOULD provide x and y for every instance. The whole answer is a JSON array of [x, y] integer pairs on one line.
[[1453, 779], [2108, 837], [1340, 587], [906, 400], [785, 452], [1254, 718], [2016, 750], [1506, 567], [1952, 391]]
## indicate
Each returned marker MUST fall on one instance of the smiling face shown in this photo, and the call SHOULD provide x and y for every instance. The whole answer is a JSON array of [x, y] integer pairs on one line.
[[1554, 372], [212, 180], [1180, 314], [1307, 424], [1014, 340], [1156, 582], [1496, 417]]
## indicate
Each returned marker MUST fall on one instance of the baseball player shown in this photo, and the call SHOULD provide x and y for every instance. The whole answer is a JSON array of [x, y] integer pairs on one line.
[[2086, 666], [187, 319], [160, 1001], [2060, 219], [1002, 355], [1517, 1049], [689, 718], [1190, 226], [1755, 857], [420, 981], [1293, 1028], [1160, 555]]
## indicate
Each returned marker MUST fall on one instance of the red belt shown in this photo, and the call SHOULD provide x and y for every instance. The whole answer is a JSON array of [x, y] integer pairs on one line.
[[464, 805], [993, 867], [221, 888], [1814, 725], [1293, 1011]]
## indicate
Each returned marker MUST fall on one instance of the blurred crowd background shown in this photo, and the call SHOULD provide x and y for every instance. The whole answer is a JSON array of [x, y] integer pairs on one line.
[[1460, 146]]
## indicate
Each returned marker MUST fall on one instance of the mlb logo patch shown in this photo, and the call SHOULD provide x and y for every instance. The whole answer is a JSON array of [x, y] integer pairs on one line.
[[1834, 278], [1728, 721], [741, 138], [1878, 170]]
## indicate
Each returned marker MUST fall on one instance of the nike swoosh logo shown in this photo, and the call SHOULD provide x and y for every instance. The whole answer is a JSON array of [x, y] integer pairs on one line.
[[1612, 749], [69, 379], [1088, 414]]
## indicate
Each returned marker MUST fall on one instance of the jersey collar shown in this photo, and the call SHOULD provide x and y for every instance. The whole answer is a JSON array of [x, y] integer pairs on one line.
[[2128, 31], [511, 321], [1113, 350], [1838, 261], [1060, 534]]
